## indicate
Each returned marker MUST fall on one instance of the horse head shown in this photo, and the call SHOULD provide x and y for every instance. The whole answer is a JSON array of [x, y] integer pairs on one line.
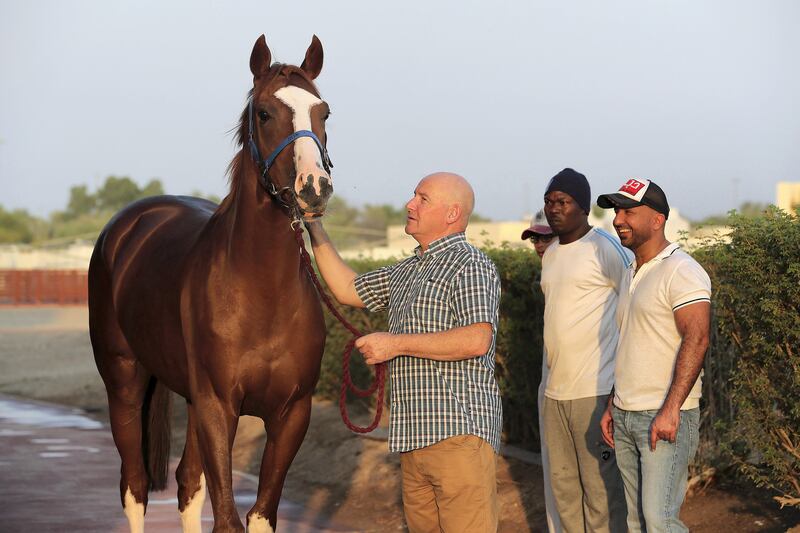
[[287, 121]]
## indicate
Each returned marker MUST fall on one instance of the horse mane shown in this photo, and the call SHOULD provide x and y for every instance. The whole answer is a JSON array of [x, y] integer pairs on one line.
[[294, 76]]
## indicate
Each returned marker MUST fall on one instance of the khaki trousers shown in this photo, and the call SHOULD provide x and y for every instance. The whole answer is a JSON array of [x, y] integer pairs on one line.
[[586, 482], [450, 487]]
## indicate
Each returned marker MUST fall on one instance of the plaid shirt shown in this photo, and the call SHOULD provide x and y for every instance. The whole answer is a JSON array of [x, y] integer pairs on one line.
[[452, 284]]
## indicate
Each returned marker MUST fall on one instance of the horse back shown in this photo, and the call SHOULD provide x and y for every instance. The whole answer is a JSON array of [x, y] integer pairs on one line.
[[136, 274]]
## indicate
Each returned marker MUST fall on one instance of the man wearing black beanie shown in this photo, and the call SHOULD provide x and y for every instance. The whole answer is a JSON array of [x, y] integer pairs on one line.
[[580, 279], [574, 184]]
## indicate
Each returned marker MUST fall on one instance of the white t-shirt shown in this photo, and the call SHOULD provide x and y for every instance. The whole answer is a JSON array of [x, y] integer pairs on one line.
[[649, 340], [580, 282]]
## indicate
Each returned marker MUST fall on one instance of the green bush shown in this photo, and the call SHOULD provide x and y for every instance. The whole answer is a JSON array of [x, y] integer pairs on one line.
[[519, 343], [330, 378], [754, 386]]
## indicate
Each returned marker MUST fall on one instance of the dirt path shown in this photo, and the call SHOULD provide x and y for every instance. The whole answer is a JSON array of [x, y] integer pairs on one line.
[[45, 354]]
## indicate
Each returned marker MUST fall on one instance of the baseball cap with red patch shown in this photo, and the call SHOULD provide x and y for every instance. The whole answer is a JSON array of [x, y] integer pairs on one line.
[[636, 192]]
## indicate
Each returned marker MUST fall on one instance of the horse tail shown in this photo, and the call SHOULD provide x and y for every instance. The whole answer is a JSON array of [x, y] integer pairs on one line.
[[157, 421]]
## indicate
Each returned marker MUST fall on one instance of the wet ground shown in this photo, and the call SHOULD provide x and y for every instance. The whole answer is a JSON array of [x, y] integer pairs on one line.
[[59, 471]]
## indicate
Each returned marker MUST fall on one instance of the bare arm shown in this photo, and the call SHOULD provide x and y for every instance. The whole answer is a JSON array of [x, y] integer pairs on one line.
[[336, 273], [693, 323], [455, 344], [607, 421]]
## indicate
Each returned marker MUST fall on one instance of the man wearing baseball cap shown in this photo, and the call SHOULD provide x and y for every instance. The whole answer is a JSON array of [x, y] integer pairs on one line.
[[541, 236], [580, 280], [539, 233], [664, 313]]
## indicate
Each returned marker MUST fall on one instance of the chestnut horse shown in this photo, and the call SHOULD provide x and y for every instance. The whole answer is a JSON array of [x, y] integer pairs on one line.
[[213, 303]]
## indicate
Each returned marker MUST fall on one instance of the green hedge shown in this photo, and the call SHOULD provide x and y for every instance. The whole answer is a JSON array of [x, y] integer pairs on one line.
[[751, 387], [330, 379]]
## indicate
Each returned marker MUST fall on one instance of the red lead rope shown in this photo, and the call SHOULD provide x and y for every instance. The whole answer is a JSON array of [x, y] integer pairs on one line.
[[347, 381]]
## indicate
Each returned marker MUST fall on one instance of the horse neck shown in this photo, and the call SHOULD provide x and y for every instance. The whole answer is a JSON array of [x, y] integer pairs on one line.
[[257, 230]]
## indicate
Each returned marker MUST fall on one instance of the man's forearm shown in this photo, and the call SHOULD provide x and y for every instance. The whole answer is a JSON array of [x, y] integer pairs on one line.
[[455, 344], [687, 368], [336, 273], [452, 345]]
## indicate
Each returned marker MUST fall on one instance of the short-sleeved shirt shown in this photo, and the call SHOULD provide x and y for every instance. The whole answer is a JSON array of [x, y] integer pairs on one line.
[[452, 284], [580, 281], [649, 340]]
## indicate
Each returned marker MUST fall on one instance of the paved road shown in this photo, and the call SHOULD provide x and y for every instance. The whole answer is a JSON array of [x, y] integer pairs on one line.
[[59, 472]]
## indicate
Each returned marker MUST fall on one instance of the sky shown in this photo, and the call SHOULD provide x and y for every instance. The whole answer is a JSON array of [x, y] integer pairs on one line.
[[700, 96]]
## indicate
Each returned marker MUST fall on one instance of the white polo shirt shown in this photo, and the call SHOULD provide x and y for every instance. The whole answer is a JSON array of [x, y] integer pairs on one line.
[[649, 340], [580, 281]]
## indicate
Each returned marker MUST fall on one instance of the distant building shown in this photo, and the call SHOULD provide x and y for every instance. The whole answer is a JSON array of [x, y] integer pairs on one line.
[[481, 234], [73, 256], [787, 196]]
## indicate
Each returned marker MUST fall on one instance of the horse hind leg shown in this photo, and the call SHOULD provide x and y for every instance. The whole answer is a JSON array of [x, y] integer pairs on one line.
[[139, 413], [126, 387], [130, 390], [125, 412], [191, 480], [284, 436]]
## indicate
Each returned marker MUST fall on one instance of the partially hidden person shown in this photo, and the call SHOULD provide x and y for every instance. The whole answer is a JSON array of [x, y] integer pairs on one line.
[[541, 235]]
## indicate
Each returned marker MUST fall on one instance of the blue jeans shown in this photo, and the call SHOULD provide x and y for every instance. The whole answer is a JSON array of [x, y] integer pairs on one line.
[[655, 481]]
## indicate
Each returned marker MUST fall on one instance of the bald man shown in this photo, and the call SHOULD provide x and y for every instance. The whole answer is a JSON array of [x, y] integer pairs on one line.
[[446, 415]]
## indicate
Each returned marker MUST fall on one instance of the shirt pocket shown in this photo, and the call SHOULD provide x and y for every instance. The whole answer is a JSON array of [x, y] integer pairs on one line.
[[432, 303]]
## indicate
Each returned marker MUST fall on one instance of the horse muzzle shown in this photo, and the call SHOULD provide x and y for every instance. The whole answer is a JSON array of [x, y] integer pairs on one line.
[[313, 191]]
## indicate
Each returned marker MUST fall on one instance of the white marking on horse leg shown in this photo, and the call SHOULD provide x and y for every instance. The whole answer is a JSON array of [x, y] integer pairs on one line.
[[191, 516], [258, 524], [134, 511], [307, 157]]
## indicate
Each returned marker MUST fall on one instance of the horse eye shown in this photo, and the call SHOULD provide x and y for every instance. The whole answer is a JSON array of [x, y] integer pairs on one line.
[[263, 116], [327, 116]]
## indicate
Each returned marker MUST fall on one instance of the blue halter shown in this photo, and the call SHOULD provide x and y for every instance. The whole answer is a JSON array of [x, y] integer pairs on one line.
[[264, 165]]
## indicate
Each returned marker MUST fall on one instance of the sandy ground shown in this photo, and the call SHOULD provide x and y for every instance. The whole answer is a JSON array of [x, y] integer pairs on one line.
[[45, 354]]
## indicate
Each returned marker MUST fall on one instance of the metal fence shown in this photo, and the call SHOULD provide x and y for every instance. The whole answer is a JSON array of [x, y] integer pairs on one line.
[[32, 287]]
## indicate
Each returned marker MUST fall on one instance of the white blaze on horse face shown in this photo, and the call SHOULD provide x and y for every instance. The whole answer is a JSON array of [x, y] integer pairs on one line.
[[134, 511], [191, 516], [307, 157]]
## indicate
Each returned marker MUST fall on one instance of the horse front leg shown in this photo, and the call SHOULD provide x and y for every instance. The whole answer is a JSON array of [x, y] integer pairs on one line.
[[216, 428], [191, 480], [284, 437]]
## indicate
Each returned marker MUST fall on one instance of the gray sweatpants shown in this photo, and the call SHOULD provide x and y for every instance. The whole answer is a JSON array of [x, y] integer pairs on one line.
[[584, 476]]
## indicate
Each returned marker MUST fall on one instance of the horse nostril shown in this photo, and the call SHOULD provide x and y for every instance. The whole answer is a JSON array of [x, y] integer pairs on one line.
[[325, 186]]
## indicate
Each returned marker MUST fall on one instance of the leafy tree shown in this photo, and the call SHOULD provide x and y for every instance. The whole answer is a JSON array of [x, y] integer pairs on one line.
[[747, 210], [153, 188], [211, 197], [15, 226], [378, 217], [116, 193], [80, 202], [340, 221]]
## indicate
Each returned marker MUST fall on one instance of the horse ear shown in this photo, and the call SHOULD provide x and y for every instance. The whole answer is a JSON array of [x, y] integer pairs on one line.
[[260, 58], [312, 64]]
